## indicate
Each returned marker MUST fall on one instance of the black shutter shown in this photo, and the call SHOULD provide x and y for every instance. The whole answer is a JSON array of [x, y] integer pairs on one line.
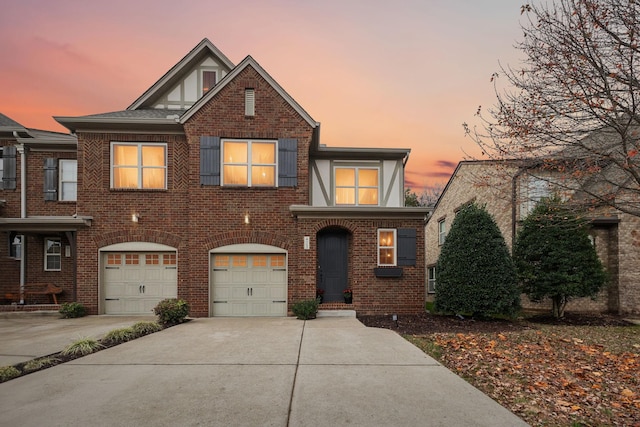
[[9, 168], [287, 162], [406, 246], [210, 160], [50, 179]]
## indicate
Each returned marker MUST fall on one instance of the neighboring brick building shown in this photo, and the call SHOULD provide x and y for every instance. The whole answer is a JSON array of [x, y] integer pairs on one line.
[[213, 187], [509, 193]]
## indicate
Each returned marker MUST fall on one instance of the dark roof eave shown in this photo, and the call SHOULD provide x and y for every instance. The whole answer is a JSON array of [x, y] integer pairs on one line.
[[304, 211], [360, 153], [75, 124], [45, 224]]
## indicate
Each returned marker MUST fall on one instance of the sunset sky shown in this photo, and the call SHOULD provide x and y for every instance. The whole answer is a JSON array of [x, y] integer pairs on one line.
[[374, 73]]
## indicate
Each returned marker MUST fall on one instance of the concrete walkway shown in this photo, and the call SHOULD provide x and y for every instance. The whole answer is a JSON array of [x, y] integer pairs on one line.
[[252, 372]]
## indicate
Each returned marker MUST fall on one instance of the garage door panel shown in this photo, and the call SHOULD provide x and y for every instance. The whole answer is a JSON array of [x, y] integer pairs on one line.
[[134, 283], [248, 285]]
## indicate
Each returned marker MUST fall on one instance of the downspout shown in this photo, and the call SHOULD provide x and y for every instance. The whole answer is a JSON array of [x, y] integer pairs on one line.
[[23, 212], [514, 206]]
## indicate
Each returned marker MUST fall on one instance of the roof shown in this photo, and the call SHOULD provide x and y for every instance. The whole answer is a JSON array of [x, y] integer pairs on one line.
[[248, 62], [352, 153], [45, 223], [8, 126]]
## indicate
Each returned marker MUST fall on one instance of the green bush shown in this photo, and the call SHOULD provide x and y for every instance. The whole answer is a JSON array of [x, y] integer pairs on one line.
[[305, 310], [8, 373], [555, 258], [72, 309], [171, 311], [146, 328], [82, 347], [120, 335], [475, 274]]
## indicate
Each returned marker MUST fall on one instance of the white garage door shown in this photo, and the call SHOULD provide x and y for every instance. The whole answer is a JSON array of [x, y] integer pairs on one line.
[[134, 282], [249, 285]]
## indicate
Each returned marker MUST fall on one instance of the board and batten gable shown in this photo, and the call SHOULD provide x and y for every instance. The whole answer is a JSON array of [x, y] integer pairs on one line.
[[190, 88], [390, 180]]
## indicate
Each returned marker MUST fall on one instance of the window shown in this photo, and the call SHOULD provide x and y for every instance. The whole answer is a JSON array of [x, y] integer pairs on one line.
[[533, 190], [68, 180], [386, 247], [15, 245], [249, 102], [431, 280], [249, 163], [139, 165], [356, 186], [442, 231], [52, 254], [209, 80]]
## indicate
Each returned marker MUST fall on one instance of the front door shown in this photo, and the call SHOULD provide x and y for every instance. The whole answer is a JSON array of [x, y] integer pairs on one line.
[[333, 257]]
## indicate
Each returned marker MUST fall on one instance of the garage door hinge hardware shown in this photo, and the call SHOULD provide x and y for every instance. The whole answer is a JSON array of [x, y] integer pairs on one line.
[[279, 269], [141, 289], [279, 301], [111, 268], [219, 269], [249, 291], [217, 302], [171, 268], [112, 299]]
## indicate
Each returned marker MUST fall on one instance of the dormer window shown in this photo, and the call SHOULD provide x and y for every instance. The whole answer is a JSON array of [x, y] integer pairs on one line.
[[356, 186], [209, 80]]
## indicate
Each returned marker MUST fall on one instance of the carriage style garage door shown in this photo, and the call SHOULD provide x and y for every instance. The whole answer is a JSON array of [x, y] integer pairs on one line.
[[248, 284], [134, 282]]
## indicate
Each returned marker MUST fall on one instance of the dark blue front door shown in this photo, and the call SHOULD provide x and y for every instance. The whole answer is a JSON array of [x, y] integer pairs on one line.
[[333, 256]]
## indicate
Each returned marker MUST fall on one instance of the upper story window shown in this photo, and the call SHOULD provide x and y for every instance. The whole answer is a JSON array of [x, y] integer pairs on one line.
[[68, 180], [139, 165], [52, 254], [249, 163], [387, 248], [209, 80], [442, 231], [532, 190], [356, 186], [431, 279]]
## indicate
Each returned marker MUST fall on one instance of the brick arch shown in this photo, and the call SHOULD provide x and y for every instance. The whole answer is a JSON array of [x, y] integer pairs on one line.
[[335, 223], [240, 237], [151, 236]]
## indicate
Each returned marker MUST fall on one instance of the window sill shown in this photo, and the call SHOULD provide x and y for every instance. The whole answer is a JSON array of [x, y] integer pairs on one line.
[[138, 190], [388, 271]]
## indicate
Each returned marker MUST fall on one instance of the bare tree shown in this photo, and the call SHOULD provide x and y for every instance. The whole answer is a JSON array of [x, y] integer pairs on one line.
[[573, 107]]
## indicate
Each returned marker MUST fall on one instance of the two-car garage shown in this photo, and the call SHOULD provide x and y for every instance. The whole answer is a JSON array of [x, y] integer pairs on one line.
[[244, 280]]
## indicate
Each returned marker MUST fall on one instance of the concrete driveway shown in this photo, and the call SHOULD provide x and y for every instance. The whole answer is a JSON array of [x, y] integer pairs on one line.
[[252, 372]]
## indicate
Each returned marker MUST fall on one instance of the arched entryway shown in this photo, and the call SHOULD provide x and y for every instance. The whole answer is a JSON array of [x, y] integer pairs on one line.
[[333, 263]]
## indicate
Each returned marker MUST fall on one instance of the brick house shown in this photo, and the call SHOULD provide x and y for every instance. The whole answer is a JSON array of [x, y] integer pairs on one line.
[[509, 192], [213, 186]]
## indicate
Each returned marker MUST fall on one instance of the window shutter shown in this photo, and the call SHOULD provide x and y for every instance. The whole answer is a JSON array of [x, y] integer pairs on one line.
[[50, 179], [9, 168], [406, 246], [209, 160], [287, 162]]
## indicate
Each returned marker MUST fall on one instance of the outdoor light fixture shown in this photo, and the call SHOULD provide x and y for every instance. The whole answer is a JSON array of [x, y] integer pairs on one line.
[[246, 218], [135, 217]]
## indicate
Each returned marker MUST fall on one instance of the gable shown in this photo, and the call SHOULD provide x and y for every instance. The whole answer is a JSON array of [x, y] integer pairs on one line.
[[183, 84]]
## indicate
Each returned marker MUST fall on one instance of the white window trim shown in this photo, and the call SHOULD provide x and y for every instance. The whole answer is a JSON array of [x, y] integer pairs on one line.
[[139, 165], [202, 92], [61, 162], [357, 184], [47, 255], [442, 231], [431, 280], [394, 246], [249, 164]]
